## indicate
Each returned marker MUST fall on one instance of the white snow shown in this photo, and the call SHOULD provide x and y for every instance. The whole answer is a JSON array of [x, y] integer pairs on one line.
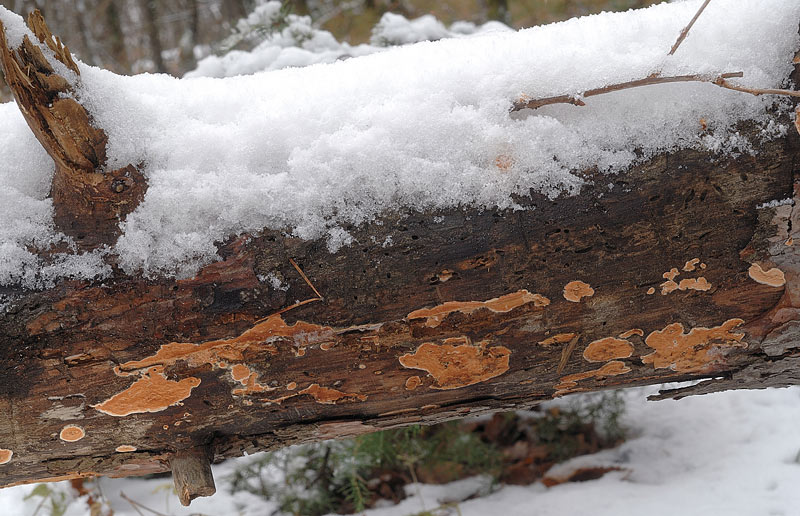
[[423, 126], [733, 453]]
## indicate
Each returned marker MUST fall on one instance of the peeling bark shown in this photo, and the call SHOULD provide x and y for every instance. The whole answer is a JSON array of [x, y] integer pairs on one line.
[[669, 276], [89, 201]]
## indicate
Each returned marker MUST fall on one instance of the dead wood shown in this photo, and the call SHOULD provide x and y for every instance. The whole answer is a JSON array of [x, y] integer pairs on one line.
[[669, 271]]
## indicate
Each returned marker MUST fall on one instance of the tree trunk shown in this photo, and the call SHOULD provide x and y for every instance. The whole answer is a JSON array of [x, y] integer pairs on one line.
[[150, 13], [668, 272]]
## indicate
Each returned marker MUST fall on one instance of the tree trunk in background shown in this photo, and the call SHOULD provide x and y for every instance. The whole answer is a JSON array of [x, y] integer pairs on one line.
[[189, 37], [498, 10], [150, 16], [116, 38], [674, 270]]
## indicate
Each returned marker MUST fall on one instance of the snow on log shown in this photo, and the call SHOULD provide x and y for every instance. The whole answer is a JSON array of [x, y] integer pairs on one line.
[[321, 252]]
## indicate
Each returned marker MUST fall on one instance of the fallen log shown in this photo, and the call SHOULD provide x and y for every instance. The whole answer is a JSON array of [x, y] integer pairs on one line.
[[680, 268]]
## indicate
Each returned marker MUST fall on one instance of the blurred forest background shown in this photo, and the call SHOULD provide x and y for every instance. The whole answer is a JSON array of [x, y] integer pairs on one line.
[[169, 36]]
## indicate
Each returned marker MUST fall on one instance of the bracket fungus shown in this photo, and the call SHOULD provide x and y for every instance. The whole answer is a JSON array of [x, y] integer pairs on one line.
[[576, 290], [691, 352], [434, 316], [609, 348], [774, 277], [72, 433], [454, 366]]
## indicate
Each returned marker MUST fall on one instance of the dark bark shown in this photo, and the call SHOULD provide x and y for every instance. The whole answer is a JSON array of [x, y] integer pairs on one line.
[[116, 37], [150, 13], [666, 272]]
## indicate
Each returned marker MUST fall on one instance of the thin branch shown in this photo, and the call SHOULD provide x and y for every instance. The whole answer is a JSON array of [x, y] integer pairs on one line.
[[685, 31], [135, 504], [755, 91], [648, 81]]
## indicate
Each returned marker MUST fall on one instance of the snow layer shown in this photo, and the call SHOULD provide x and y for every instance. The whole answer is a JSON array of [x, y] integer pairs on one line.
[[424, 126], [733, 453]]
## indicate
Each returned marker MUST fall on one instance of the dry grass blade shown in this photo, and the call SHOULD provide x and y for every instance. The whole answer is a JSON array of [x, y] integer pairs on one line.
[[566, 353], [297, 267]]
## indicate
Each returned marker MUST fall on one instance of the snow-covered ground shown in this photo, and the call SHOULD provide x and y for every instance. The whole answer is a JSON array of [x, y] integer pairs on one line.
[[733, 453]]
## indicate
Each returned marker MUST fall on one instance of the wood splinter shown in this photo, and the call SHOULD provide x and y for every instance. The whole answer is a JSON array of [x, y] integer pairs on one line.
[[191, 472]]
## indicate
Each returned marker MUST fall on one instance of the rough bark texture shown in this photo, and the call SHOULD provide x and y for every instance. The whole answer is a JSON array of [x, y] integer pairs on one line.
[[89, 202], [673, 274]]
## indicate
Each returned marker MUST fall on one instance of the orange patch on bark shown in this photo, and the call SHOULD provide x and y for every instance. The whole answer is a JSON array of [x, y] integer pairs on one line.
[[631, 333], [250, 382], [329, 396], [125, 448], [71, 433], [501, 304], [691, 352], [773, 277], [700, 284], [560, 338], [229, 353], [691, 265], [413, 382], [609, 348], [455, 366], [574, 291], [153, 392], [5, 455], [569, 383]]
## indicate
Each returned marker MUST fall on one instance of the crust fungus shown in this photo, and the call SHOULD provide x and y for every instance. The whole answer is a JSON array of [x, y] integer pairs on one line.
[[5, 455], [574, 291], [125, 448], [72, 433], [670, 285], [609, 348], [569, 383], [691, 352], [230, 353], [455, 366], [560, 338], [501, 304], [328, 396], [773, 277], [153, 392], [631, 333], [691, 265], [413, 382]]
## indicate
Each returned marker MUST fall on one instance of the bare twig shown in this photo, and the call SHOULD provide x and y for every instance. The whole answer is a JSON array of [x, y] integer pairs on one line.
[[755, 91], [653, 79], [136, 504], [685, 31]]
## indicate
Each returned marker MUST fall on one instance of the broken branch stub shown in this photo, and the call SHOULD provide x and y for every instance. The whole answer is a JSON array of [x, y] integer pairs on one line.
[[88, 202], [191, 472]]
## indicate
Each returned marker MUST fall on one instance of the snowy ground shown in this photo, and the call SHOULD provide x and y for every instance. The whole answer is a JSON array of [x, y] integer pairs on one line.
[[732, 453]]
